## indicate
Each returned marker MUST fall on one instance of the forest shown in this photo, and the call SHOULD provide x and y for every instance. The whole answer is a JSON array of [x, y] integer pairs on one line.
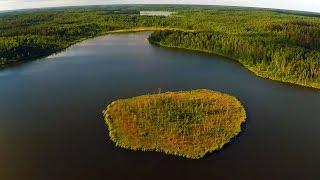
[[280, 45], [287, 59]]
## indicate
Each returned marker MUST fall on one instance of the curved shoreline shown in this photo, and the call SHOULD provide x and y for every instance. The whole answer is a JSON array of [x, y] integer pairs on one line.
[[140, 29], [263, 75], [116, 135]]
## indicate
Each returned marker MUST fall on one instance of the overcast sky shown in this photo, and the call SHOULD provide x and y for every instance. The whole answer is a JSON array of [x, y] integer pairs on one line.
[[305, 5]]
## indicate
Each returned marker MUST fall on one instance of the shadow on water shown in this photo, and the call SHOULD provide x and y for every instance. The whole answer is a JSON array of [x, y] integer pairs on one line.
[[233, 141]]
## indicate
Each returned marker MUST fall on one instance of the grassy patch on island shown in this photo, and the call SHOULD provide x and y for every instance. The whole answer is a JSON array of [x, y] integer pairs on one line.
[[189, 124]]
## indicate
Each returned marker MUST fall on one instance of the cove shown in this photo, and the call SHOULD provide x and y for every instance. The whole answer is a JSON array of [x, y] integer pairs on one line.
[[51, 125]]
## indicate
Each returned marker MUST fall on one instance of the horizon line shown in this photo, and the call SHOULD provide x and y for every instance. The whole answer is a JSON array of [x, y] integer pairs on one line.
[[135, 4]]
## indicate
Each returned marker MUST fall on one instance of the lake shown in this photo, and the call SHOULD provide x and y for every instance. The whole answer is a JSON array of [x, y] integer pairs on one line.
[[51, 123]]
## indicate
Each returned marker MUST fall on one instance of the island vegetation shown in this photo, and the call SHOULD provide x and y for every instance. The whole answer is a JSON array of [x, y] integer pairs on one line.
[[189, 124], [275, 44]]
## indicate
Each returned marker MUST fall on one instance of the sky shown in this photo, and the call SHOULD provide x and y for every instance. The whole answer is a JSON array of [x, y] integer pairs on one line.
[[304, 5]]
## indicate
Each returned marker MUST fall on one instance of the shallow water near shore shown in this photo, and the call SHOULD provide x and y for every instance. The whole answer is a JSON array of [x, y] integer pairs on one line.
[[51, 123]]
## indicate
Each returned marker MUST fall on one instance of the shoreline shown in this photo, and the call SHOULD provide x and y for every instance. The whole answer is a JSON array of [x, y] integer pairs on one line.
[[119, 31], [259, 74], [264, 75], [113, 132]]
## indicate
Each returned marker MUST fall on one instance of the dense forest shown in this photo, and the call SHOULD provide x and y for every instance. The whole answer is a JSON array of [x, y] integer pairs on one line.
[[288, 59], [280, 45]]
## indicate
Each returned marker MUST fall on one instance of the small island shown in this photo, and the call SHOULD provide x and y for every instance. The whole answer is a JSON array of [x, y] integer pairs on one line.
[[187, 123]]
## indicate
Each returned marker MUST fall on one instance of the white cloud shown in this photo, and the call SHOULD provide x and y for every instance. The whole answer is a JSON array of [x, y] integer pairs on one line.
[[306, 5], [23, 4]]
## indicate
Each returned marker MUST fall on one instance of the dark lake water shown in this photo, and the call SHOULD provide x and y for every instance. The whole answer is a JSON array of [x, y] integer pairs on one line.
[[51, 125]]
